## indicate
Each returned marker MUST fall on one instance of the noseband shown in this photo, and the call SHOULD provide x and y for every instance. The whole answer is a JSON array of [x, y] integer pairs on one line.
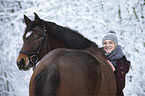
[[32, 56]]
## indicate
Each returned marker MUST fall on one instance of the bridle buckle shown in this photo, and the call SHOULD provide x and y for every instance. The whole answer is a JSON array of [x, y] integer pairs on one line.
[[34, 59]]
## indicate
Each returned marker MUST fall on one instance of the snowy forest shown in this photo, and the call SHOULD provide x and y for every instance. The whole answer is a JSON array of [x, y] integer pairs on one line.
[[91, 18]]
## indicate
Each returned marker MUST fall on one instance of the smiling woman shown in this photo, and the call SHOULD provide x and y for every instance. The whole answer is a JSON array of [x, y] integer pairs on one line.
[[116, 59], [109, 46]]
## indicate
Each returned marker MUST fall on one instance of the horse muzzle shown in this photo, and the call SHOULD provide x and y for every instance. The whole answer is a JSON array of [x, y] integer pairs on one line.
[[23, 62]]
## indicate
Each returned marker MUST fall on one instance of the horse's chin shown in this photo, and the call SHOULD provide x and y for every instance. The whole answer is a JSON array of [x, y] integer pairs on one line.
[[25, 68]]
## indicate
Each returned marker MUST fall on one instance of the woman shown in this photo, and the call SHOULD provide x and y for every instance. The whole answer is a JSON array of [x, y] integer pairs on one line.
[[116, 59]]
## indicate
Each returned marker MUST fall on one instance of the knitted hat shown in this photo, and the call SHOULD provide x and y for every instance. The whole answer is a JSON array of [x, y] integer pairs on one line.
[[111, 35]]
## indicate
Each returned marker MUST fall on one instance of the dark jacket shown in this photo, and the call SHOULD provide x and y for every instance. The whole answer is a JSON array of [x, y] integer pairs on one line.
[[121, 68]]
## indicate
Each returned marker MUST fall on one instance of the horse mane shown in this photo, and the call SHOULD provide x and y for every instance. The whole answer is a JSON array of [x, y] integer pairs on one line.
[[75, 40], [71, 37]]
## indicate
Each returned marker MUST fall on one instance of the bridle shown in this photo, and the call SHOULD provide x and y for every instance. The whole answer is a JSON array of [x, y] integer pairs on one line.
[[34, 56]]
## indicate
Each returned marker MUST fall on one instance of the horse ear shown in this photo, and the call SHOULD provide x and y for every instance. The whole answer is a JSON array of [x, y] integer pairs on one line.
[[27, 20], [37, 19]]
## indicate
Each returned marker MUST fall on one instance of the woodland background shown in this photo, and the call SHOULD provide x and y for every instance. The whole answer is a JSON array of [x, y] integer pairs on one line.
[[92, 18]]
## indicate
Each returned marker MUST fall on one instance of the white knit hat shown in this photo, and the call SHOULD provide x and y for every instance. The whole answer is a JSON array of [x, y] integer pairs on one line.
[[111, 35]]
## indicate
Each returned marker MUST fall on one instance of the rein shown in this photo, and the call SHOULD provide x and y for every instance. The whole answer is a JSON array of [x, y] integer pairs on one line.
[[32, 56]]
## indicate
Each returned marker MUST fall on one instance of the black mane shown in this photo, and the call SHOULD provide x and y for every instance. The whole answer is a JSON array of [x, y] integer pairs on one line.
[[71, 37]]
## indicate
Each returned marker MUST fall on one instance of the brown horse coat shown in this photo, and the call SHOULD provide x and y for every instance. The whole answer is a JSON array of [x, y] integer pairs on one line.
[[74, 72]]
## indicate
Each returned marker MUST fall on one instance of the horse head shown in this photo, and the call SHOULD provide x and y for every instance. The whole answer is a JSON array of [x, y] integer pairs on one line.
[[35, 44]]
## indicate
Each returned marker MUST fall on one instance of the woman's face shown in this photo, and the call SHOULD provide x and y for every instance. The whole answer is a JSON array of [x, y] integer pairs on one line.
[[109, 46]]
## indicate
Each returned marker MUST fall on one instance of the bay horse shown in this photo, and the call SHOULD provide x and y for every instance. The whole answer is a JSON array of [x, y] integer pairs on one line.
[[69, 64]]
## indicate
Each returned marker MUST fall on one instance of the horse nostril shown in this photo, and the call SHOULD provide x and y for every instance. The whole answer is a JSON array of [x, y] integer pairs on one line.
[[21, 63]]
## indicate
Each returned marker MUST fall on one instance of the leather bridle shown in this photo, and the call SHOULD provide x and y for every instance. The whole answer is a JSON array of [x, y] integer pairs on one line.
[[32, 56]]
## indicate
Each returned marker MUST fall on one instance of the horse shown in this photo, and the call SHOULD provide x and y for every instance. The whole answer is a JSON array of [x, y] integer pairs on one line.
[[64, 61]]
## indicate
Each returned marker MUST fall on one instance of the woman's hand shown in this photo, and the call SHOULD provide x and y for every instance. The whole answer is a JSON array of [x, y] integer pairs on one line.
[[111, 65]]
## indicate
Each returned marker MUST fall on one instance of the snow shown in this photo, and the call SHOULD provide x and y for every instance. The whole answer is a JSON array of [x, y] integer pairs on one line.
[[92, 18]]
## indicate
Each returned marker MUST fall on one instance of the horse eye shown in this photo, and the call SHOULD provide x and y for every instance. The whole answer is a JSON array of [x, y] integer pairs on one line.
[[37, 37]]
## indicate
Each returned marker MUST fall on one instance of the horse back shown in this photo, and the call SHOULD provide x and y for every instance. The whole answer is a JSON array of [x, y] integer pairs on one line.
[[67, 72]]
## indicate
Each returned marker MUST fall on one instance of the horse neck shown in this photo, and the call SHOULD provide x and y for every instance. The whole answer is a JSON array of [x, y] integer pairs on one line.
[[61, 37], [54, 43], [70, 38]]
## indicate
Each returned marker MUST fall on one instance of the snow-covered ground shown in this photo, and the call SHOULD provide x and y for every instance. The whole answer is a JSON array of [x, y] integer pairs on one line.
[[92, 18]]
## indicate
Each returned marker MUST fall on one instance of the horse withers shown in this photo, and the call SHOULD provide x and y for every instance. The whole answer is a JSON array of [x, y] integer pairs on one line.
[[81, 69]]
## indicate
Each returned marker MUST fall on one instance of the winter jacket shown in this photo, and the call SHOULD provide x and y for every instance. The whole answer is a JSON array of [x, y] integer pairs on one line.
[[121, 69]]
